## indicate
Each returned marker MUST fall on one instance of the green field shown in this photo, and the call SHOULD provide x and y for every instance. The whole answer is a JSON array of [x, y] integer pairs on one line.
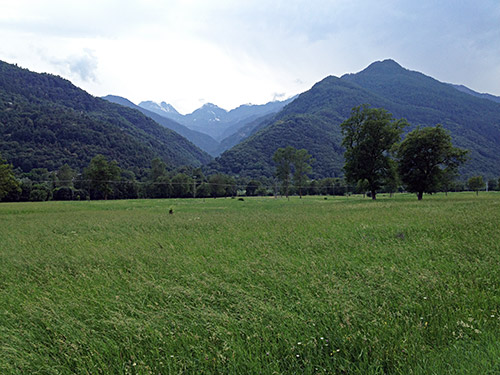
[[260, 286]]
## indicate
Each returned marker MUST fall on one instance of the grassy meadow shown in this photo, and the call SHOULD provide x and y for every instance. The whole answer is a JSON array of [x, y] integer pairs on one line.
[[260, 286]]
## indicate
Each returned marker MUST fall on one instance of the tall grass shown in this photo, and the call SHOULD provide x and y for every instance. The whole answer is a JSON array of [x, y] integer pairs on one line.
[[264, 286]]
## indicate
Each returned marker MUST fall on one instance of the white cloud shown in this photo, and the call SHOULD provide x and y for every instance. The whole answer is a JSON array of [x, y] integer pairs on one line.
[[231, 52], [83, 66]]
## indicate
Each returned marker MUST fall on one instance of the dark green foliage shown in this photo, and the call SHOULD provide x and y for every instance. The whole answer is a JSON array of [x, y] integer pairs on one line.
[[301, 164], [39, 193], [370, 135], [101, 177], [332, 186], [312, 121], [427, 160], [63, 194], [158, 169], [46, 122], [362, 187], [474, 123], [222, 185], [283, 158], [8, 182], [492, 184], [252, 187], [476, 183], [254, 156], [182, 186], [65, 176], [292, 165]]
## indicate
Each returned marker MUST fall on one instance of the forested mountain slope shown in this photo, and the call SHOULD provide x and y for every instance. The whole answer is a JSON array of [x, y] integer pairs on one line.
[[45, 122], [312, 120]]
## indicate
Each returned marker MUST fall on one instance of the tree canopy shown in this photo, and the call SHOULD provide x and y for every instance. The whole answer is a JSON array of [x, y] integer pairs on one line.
[[101, 175], [370, 136], [292, 164], [8, 182], [476, 183], [427, 159]]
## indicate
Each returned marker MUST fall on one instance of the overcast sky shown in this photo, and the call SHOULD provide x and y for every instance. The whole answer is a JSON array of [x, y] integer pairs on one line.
[[230, 52]]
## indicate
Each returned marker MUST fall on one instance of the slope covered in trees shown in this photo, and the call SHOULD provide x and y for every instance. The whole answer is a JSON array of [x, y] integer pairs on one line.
[[45, 122], [312, 121]]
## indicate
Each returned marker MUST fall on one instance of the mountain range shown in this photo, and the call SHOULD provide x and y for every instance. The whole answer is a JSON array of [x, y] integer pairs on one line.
[[312, 121], [215, 121], [202, 140], [46, 121]]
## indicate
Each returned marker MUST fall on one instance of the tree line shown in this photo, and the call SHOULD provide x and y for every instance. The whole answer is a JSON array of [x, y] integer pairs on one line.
[[103, 179], [376, 160]]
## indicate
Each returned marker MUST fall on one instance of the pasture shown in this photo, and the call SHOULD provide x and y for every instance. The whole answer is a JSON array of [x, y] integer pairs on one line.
[[261, 286]]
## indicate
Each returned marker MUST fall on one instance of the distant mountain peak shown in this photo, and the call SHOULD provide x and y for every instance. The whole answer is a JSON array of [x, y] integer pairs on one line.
[[387, 66], [212, 106], [169, 108], [159, 108]]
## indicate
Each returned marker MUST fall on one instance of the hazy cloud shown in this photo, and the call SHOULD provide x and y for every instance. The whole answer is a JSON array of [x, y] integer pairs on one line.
[[233, 51], [83, 66]]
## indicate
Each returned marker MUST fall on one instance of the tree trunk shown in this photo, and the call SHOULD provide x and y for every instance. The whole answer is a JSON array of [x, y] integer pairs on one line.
[[374, 195], [420, 194]]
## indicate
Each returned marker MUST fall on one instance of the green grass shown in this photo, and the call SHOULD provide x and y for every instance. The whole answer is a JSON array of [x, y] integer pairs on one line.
[[264, 286]]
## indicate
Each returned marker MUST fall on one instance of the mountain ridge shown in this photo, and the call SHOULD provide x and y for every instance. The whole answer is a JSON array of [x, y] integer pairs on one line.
[[474, 122], [47, 121], [218, 122], [202, 140]]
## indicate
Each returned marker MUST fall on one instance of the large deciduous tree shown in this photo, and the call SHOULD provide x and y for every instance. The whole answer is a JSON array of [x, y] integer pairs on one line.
[[427, 158], [370, 136]]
